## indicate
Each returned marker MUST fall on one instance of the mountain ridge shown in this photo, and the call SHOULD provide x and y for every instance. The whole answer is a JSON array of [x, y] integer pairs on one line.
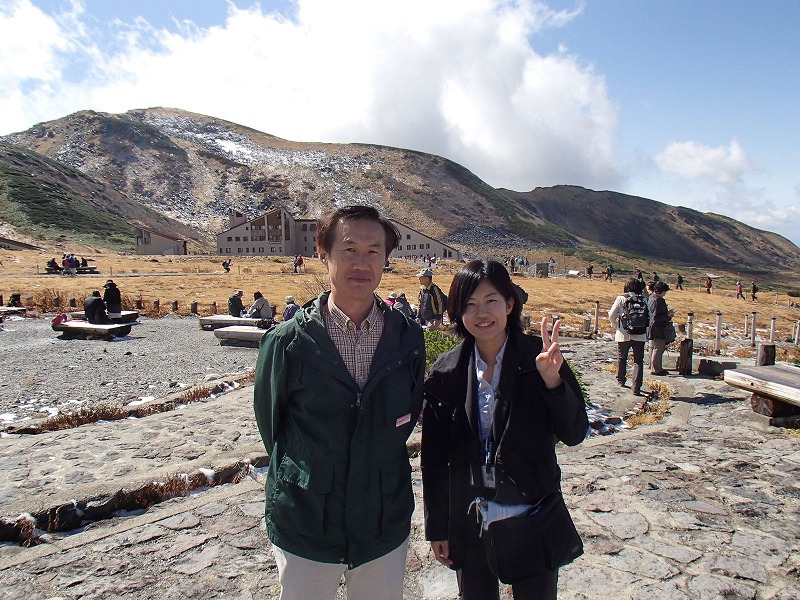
[[193, 168]]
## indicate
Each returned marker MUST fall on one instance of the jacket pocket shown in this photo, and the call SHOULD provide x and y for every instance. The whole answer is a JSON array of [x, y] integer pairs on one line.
[[301, 489], [397, 499]]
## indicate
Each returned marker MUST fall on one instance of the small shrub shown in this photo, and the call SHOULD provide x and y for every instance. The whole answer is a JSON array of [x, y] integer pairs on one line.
[[437, 342]]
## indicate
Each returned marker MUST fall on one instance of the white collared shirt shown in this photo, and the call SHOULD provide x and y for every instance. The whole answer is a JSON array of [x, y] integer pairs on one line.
[[487, 390]]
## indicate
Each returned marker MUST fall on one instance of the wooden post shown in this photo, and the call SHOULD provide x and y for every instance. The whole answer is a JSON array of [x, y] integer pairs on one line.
[[596, 317], [1, 299], [765, 355], [797, 335], [193, 308], [56, 301], [746, 321], [753, 330], [139, 303], [684, 363], [214, 307], [772, 331], [690, 325], [718, 341], [73, 303], [174, 306], [156, 305]]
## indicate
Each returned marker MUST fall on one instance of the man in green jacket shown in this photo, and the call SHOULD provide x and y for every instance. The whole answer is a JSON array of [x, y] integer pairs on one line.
[[338, 391]]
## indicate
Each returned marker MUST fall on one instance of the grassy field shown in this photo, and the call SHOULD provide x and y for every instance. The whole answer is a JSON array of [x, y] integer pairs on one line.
[[201, 279]]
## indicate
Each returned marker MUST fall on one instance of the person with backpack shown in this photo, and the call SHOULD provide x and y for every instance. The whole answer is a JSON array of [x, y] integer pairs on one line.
[[753, 290], [630, 315], [432, 300]]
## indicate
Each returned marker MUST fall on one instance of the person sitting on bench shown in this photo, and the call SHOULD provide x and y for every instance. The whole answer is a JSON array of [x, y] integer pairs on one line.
[[52, 265], [95, 309]]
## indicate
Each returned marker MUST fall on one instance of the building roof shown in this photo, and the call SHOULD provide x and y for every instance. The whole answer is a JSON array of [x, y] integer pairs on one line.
[[160, 234]]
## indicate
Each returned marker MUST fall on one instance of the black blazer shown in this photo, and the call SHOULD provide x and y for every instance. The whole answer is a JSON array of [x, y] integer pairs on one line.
[[528, 422]]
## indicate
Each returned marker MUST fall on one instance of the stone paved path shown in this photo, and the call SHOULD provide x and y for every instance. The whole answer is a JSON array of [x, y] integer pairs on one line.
[[703, 505]]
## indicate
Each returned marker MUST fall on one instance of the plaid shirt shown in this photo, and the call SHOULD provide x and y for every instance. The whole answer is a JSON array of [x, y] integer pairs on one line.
[[356, 345]]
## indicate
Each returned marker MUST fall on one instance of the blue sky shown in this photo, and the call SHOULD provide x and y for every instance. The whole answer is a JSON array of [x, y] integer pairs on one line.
[[690, 103]]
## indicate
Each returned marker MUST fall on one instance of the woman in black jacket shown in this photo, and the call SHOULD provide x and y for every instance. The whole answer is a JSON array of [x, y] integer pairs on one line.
[[495, 406], [660, 315]]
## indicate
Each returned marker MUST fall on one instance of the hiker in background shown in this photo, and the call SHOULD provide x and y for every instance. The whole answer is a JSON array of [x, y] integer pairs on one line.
[[709, 284], [589, 271], [630, 315], [401, 304], [260, 308], [610, 273], [291, 308], [739, 290], [551, 266], [660, 315], [679, 285], [432, 301], [235, 305], [95, 309], [298, 263], [113, 299], [753, 290], [391, 299], [226, 264], [84, 262], [655, 277], [520, 397]]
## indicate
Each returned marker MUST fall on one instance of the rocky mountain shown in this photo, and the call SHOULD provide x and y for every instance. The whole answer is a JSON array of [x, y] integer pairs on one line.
[[192, 168]]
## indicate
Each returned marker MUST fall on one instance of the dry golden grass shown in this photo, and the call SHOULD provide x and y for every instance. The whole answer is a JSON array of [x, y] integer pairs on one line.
[[201, 279]]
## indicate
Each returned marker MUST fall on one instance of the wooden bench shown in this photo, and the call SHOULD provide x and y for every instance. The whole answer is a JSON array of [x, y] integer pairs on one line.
[[126, 316], [213, 322], [13, 310], [244, 335], [78, 271], [775, 389], [84, 329]]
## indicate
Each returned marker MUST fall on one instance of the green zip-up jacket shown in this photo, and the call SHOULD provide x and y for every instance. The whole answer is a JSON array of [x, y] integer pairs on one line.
[[339, 481]]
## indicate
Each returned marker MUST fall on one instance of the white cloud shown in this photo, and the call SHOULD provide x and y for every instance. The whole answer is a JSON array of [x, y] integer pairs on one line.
[[453, 77], [692, 160]]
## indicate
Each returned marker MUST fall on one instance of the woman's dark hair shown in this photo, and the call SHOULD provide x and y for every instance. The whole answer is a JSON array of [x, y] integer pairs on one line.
[[660, 287], [632, 285], [326, 225], [463, 286], [257, 295]]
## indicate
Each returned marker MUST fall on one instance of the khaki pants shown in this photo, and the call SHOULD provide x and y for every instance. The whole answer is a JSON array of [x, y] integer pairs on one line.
[[303, 579]]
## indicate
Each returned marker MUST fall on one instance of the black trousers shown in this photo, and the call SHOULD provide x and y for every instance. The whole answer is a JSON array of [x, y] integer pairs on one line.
[[476, 581]]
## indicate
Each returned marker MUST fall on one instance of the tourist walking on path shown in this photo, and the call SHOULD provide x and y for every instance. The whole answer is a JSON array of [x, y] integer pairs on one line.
[[495, 406], [432, 301], [338, 391], [753, 290], [679, 285], [660, 315], [631, 317], [739, 290], [709, 284]]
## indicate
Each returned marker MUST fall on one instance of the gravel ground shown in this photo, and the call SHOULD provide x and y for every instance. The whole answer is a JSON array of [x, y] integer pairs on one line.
[[43, 374]]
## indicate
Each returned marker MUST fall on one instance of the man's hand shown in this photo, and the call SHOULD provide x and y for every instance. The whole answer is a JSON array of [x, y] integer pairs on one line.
[[549, 362], [441, 550]]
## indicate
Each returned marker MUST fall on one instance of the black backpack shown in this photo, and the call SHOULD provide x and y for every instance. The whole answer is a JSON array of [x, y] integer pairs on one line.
[[634, 316]]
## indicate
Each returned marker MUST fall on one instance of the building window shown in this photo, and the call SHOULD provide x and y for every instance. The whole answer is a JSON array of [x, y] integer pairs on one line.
[[230, 239], [227, 250], [220, 250], [312, 227], [237, 238], [272, 249], [414, 247], [304, 227], [238, 251], [408, 247], [244, 239], [427, 246]]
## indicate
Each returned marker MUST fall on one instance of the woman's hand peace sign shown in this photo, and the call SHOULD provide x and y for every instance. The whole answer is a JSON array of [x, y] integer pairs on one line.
[[550, 359]]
